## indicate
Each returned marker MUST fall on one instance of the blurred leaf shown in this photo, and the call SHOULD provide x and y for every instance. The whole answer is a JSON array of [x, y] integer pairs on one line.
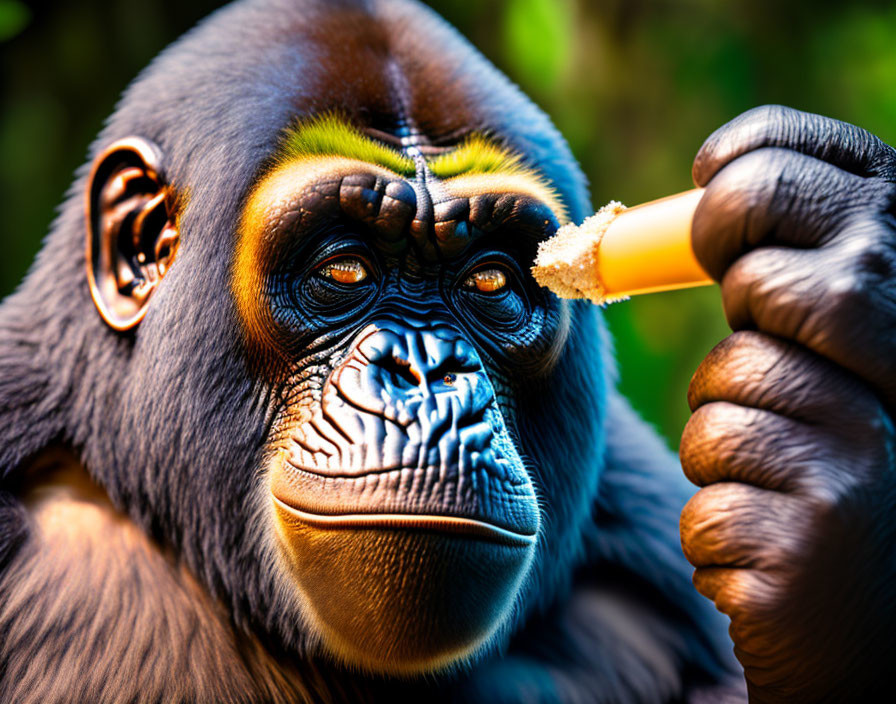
[[537, 37], [856, 68], [14, 17]]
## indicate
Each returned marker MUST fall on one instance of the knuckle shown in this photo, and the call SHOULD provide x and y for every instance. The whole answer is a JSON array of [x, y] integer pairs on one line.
[[701, 447], [750, 597], [775, 113], [744, 370], [691, 447], [846, 295], [849, 287], [872, 255], [765, 123], [732, 442], [710, 427], [762, 113], [733, 354], [754, 272], [698, 434], [700, 522], [691, 511], [833, 502], [751, 129], [823, 504], [773, 124], [750, 181], [703, 387], [713, 505]]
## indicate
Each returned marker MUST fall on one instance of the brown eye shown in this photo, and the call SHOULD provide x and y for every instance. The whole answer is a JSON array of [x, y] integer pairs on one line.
[[486, 280], [345, 270]]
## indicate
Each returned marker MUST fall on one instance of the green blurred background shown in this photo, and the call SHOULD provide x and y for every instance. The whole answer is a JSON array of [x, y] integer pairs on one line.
[[635, 85]]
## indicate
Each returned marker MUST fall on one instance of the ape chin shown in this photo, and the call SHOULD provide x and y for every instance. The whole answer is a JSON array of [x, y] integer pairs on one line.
[[401, 600]]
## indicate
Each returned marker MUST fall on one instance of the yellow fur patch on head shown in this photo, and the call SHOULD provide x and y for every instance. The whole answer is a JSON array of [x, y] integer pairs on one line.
[[330, 135], [477, 154]]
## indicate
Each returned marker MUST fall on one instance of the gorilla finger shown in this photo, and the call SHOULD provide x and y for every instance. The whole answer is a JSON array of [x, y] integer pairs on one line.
[[754, 369], [752, 599], [777, 196], [731, 524], [738, 591], [844, 145], [840, 302], [724, 442]]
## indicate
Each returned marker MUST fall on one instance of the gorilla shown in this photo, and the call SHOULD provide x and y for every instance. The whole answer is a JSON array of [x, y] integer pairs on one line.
[[285, 418]]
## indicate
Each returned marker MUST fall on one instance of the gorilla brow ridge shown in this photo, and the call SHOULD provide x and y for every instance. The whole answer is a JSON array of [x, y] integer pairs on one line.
[[330, 134]]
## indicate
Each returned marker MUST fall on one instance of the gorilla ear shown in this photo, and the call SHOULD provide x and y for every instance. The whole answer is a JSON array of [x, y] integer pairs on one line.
[[131, 235]]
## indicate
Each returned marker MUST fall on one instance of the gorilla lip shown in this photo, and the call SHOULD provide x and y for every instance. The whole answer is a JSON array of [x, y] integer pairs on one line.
[[410, 521], [299, 493]]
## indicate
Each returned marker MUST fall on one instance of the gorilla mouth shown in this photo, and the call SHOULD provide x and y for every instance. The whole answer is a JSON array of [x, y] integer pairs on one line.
[[405, 570], [479, 502], [456, 525]]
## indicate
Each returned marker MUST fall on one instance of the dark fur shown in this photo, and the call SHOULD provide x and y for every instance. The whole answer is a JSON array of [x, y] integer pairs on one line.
[[170, 423]]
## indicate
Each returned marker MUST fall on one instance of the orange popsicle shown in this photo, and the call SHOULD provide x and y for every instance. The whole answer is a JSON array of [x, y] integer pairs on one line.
[[620, 252]]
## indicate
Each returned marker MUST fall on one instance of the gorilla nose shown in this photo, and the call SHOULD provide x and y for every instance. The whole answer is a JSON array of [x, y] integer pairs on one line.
[[407, 375], [407, 363]]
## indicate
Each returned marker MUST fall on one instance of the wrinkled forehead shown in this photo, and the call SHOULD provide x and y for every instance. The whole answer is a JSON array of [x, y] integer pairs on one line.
[[385, 67], [404, 77]]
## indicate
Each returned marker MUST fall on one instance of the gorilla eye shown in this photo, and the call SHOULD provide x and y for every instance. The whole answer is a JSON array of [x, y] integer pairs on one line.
[[344, 270], [486, 280]]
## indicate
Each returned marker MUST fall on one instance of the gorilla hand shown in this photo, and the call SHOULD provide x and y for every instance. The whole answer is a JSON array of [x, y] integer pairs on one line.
[[793, 534]]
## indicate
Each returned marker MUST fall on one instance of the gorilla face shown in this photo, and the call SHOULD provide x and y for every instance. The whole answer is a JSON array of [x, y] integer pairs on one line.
[[396, 313], [361, 422]]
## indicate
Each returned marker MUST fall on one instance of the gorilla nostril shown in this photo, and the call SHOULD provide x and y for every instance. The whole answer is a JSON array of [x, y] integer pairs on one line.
[[401, 370]]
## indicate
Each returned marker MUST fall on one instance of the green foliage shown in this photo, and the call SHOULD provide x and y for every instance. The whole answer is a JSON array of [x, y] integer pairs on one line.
[[14, 17], [856, 61], [535, 36]]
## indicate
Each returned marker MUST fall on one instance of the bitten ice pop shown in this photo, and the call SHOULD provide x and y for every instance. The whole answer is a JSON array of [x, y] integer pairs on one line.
[[620, 252]]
